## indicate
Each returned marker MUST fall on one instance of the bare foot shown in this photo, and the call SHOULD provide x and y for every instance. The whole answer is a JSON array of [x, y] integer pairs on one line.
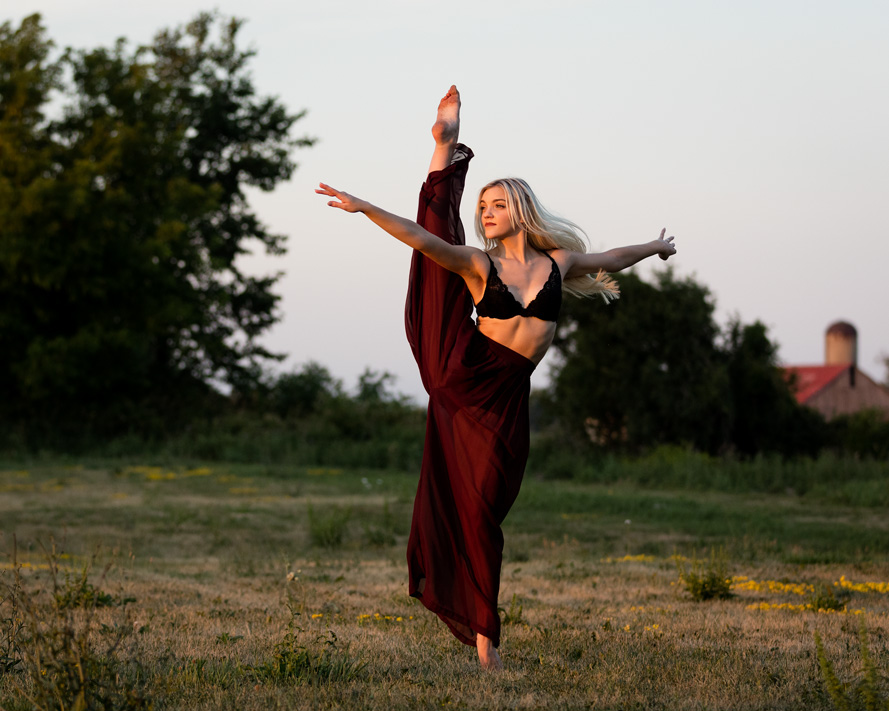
[[447, 123], [487, 654]]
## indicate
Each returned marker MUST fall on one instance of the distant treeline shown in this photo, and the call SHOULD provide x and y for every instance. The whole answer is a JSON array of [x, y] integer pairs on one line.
[[655, 369], [124, 316]]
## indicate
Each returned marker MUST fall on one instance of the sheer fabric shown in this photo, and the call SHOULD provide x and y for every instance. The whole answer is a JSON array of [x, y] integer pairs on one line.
[[476, 433]]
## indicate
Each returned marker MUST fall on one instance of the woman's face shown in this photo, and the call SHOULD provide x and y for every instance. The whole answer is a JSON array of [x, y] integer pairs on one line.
[[495, 214]]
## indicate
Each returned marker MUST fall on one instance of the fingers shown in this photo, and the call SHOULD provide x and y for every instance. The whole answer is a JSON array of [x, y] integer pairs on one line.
[[343, 201], [669, 242], [325, 189]]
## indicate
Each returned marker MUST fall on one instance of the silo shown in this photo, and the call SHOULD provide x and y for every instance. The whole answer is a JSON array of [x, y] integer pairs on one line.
[[841, 344]]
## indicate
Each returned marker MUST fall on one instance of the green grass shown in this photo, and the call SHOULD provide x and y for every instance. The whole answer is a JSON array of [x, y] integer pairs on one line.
[[237, 598]]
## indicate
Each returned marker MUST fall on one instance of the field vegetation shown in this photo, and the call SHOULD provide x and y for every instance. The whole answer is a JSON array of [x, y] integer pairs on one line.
[[182, 526], [182, 584]]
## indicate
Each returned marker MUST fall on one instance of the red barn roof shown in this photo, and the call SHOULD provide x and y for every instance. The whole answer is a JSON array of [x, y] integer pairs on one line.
[[812, 378]]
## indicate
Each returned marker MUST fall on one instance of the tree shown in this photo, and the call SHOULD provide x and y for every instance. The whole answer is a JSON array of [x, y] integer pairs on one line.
[[122, 222], [764, 413], [643, 370], [302, 392], [653, 368], [26, 80]]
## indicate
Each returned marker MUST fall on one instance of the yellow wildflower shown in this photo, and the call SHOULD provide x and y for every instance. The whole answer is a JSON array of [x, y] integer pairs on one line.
[[868, 587], [775, 586], [160, 476], [641, 558]]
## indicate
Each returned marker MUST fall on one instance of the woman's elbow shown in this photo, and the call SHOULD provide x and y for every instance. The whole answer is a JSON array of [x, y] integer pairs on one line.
[[613, 264]]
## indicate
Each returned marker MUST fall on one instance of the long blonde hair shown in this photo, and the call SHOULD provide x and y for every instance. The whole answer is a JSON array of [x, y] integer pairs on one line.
[[545, 231]]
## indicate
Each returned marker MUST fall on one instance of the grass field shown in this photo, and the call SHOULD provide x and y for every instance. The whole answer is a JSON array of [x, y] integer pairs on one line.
[[263, 587]]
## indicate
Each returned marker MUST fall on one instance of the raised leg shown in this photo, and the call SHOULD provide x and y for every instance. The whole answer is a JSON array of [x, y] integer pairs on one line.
[[446, 130]]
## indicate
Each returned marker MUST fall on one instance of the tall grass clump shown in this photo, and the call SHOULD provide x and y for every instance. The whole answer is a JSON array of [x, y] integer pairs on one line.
[[60, 655], [513, 614], [328, 529], [320, 659], [382, 534], [823, 599], [708, 580], [868, 693], [78, 592], [11, 625]]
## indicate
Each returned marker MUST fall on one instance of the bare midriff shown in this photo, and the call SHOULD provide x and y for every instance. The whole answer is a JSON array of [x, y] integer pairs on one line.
[[526, 335]]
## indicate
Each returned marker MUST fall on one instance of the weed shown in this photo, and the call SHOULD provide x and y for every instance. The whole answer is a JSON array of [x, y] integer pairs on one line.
[[66, 658], [78, 592], [12, 626], [519, 555], [327, 531], [822, 598], [706, 582], [513, 615], [866, 694], [380, 536], [320, 661]]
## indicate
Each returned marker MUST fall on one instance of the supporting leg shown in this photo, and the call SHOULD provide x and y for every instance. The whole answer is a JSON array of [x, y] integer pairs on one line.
[[487, 654]]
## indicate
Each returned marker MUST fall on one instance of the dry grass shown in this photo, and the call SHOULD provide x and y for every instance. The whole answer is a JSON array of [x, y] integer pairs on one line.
[[599, 620]]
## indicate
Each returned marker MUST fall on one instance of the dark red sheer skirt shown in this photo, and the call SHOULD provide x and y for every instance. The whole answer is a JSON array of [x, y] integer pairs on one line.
[[476, 432]]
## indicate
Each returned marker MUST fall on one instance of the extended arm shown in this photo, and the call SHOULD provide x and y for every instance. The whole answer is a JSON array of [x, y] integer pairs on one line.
[[455, 258], [614, 260]]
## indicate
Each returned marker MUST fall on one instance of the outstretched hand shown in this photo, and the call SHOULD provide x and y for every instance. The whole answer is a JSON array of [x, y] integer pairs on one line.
[[343, 201], [666, 248]]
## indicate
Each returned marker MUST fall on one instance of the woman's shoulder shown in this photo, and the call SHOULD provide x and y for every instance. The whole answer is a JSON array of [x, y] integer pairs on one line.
[[563, 257]]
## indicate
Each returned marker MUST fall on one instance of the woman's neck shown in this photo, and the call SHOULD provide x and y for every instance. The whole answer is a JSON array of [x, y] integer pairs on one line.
[[516, 247]]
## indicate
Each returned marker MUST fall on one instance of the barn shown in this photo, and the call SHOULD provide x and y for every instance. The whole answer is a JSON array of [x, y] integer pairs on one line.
[[838, 387]]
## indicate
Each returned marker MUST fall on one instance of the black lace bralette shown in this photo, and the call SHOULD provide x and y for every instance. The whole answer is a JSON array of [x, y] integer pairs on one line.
[[499, 302]]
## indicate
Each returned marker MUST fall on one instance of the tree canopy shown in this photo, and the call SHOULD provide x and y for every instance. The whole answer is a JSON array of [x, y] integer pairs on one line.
[[122, 218], [654, 368]]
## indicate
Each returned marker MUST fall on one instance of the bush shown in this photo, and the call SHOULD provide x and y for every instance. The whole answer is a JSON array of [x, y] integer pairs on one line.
[[707, 582], [863, 434], [327, 530]]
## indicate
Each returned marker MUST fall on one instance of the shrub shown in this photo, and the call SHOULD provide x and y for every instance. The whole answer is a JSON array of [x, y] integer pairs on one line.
[[327, 530], [706, 581], [382, 535], [823, 598]]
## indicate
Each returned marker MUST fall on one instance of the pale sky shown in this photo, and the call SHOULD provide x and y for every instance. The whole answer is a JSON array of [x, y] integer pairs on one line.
[[755, 132]]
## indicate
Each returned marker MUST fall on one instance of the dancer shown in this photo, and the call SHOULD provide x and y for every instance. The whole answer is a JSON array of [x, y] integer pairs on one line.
[[477, 374]]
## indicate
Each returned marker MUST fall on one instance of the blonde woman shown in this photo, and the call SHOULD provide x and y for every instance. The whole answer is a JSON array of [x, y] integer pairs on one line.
[[477, 372]]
